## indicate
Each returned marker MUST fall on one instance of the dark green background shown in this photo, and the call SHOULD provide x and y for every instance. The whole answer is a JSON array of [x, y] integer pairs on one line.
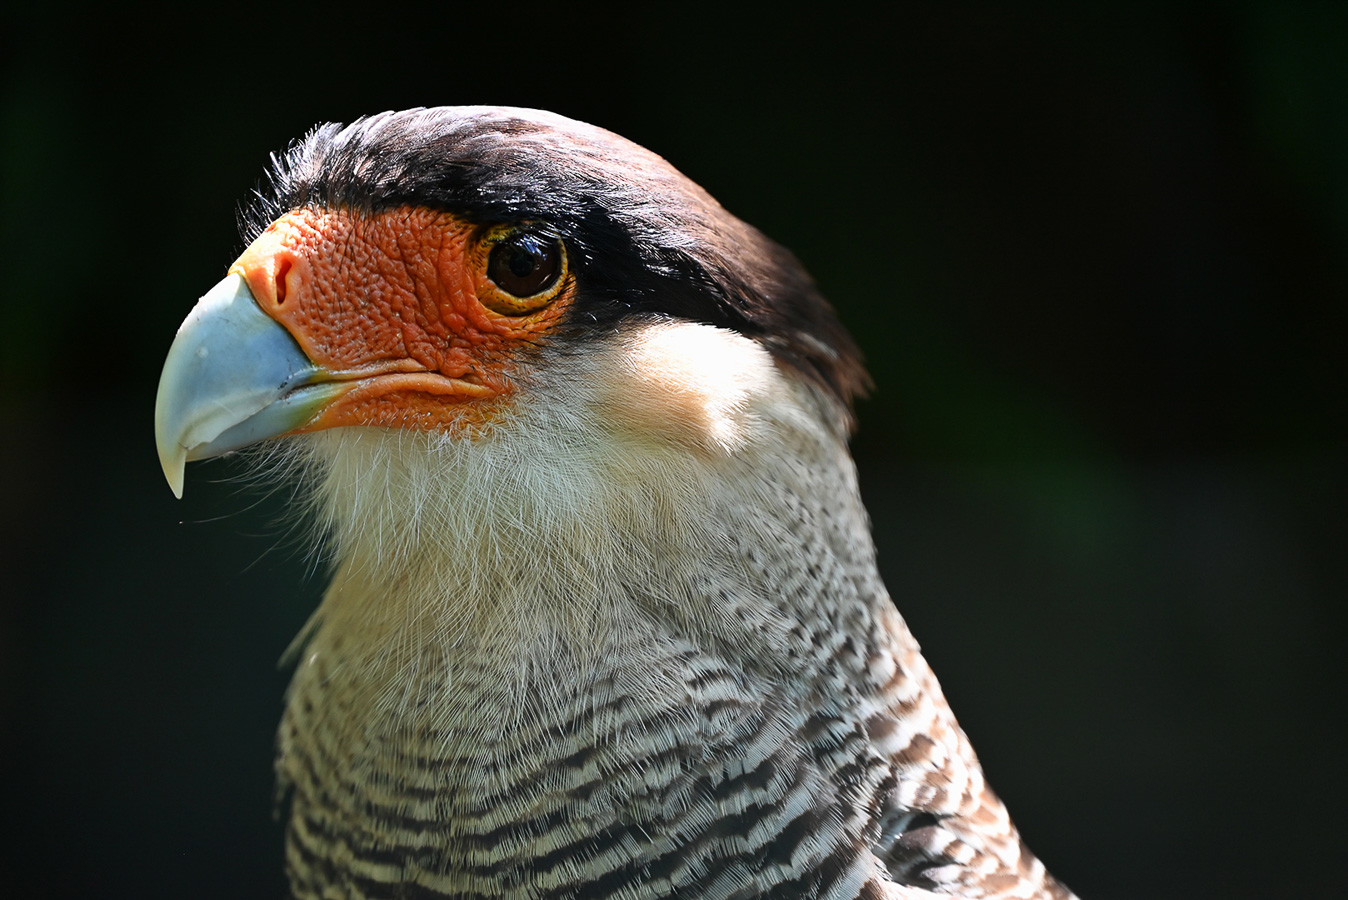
[[1095, 255]]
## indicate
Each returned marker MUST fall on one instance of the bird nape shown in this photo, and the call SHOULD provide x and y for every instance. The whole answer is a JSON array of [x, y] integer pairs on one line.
[[605, 618]]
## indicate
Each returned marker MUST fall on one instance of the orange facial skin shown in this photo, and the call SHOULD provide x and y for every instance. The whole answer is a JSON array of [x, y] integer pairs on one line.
[[399, 304]]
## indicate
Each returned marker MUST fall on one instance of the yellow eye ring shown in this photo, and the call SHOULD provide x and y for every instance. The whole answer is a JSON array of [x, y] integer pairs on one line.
[[525, 268]]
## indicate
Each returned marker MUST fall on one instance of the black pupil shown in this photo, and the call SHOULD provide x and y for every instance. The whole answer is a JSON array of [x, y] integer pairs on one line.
[[525, 264]]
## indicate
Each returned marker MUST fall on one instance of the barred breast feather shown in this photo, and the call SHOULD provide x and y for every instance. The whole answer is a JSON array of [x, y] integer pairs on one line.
[[633, 645]]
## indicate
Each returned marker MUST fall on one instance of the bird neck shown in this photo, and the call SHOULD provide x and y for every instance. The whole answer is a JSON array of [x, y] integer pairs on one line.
[[636, 490]]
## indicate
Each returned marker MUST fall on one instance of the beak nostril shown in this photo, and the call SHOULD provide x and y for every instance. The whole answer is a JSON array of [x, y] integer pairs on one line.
[[282, 270]]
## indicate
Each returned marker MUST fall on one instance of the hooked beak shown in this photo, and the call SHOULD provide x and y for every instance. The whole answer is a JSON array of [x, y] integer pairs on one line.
[[233, 376]]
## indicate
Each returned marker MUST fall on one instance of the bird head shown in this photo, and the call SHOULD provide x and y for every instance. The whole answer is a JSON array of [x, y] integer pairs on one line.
[[506, 289], [409, 271]]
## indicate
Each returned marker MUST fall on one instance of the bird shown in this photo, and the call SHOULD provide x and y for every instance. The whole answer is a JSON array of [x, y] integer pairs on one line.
[[604, 617]]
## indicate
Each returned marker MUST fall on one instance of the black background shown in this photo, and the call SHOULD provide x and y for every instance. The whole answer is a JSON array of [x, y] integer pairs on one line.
[[1095, 255]]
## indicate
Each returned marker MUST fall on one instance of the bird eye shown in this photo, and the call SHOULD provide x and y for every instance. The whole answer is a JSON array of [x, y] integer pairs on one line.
[[528, 267]]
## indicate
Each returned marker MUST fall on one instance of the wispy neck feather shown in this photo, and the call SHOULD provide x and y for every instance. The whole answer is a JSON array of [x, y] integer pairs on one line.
[[625, 482]]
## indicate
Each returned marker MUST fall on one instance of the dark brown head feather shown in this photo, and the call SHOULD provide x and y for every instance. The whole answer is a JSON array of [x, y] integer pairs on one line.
[[643, 239]]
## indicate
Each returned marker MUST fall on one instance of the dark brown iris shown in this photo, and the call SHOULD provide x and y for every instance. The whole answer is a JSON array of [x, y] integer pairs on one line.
[[525, 264]]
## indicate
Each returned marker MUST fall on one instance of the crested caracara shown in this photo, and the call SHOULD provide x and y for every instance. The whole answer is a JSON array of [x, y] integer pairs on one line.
[[605, 618]]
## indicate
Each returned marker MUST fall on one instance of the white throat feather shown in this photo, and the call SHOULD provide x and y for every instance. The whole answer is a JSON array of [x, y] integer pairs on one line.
[[602, 496]]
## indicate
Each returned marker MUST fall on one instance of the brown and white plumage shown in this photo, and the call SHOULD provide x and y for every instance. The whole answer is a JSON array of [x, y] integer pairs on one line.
[[606, 619]]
